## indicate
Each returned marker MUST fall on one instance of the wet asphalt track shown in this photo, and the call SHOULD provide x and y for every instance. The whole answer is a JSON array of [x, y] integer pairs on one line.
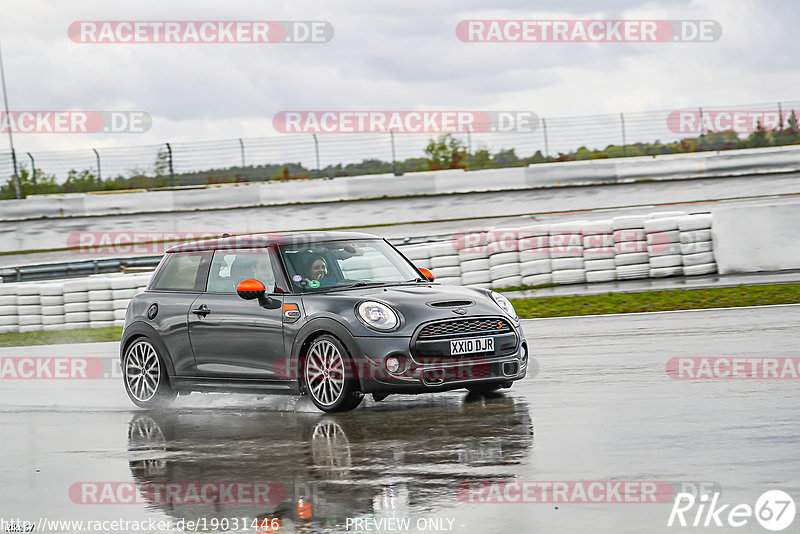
[[601, 407]]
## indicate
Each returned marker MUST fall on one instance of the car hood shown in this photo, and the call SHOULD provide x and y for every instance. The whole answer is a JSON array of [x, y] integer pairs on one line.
[[420, 303]]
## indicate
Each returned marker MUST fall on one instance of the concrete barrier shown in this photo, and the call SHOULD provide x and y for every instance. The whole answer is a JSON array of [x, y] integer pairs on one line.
[[668, 166], [757, 237]]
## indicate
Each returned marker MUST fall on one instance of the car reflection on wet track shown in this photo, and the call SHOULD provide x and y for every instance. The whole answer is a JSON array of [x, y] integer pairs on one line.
[[332, 466]]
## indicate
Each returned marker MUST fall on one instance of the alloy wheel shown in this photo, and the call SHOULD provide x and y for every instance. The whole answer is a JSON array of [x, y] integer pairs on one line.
[[142, 371], [324, 372]]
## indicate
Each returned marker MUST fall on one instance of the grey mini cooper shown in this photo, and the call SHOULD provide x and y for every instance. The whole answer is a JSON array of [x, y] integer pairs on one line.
[[330, 315]]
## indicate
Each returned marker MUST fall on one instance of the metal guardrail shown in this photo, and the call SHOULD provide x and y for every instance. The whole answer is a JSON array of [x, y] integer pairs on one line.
[[48, 271]]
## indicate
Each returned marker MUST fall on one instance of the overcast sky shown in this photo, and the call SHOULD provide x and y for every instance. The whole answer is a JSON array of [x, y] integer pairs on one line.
[[385, 55]]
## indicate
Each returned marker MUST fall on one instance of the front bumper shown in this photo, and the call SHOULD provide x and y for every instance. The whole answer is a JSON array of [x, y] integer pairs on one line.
[[425, 375]]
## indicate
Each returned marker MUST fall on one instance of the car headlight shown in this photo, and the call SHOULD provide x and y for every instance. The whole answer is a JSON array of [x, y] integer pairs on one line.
[[505, 305], [378, 316]]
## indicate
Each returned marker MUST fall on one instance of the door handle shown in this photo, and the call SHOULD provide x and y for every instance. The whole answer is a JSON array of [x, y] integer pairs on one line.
[[202, 310]]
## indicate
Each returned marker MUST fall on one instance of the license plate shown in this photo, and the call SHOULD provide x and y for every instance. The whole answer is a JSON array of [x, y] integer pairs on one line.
[[469, 346]]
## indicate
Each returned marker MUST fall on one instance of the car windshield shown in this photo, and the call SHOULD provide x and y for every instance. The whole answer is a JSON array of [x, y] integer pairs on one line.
[[341, 264]]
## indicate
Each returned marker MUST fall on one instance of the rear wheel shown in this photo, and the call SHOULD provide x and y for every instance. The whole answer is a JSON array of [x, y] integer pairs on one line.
[[145, 376], [329, 377]]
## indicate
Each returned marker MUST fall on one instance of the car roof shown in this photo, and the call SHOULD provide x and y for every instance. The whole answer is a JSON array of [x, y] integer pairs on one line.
[[267, 239]]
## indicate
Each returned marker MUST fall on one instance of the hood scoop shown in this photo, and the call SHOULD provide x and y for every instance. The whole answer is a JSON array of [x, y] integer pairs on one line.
[[450, 303]]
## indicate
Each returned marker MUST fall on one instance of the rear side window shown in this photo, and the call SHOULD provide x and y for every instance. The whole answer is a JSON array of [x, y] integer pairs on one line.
[[183, 272], [228, 269]]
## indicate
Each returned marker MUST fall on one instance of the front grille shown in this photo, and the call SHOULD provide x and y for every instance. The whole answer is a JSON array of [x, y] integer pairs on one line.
[[465, 327]]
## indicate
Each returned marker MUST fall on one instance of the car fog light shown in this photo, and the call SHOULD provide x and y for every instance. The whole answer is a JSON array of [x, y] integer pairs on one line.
[[392, 364]]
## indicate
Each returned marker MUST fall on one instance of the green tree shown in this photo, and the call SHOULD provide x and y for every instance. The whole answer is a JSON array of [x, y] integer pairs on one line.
[[45, 183], [445, 152], [506, 158], [80, 182], [481, 159]]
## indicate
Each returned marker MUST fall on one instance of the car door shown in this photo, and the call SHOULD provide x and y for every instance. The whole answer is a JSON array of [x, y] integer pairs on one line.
[[232, 337], [179, 280]]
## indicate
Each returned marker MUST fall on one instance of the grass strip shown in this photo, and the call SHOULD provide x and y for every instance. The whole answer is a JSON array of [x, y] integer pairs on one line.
[[58, 337], [658, 300]]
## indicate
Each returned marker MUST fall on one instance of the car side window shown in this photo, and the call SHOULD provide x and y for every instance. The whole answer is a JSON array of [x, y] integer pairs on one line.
[[182, 272], [228, 269]]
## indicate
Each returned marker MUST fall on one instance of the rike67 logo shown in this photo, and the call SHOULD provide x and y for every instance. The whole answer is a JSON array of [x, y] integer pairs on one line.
[[774, 510]]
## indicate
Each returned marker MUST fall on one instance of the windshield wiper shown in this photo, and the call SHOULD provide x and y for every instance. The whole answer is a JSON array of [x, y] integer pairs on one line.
[[362, 284]]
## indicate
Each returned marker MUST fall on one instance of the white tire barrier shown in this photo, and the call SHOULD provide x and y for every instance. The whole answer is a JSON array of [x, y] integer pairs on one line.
[[694, 248], [695, 236], [537, 279], [567, 263], [512, 281], [698, 259], [447, 272], [599, 265], [475, 265], [628, 222], [662, 272], [663, 238], [703, 268], [534, 267], [445, 261], [664, 250], [504, 271], [666, 224], [601, 276], [70, 307], [633, 258], [598, 253], [569, 276], [700, 221], [674, 260], [504, 258], [630, 272], [476, 277], [628, 247]]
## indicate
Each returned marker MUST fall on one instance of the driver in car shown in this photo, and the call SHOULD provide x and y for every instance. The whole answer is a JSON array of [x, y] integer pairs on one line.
[[316, 268]]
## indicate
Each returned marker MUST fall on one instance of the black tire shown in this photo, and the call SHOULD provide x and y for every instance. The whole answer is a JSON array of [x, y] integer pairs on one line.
[[145, 375], [485, 389], [329, 377]]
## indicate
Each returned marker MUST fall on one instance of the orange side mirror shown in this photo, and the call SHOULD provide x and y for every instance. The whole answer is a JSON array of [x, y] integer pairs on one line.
[[426, 273], [251, 289]]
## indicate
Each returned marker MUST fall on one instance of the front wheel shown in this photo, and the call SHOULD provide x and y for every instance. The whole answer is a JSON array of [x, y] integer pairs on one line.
[[145, 376], [329, 376]]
